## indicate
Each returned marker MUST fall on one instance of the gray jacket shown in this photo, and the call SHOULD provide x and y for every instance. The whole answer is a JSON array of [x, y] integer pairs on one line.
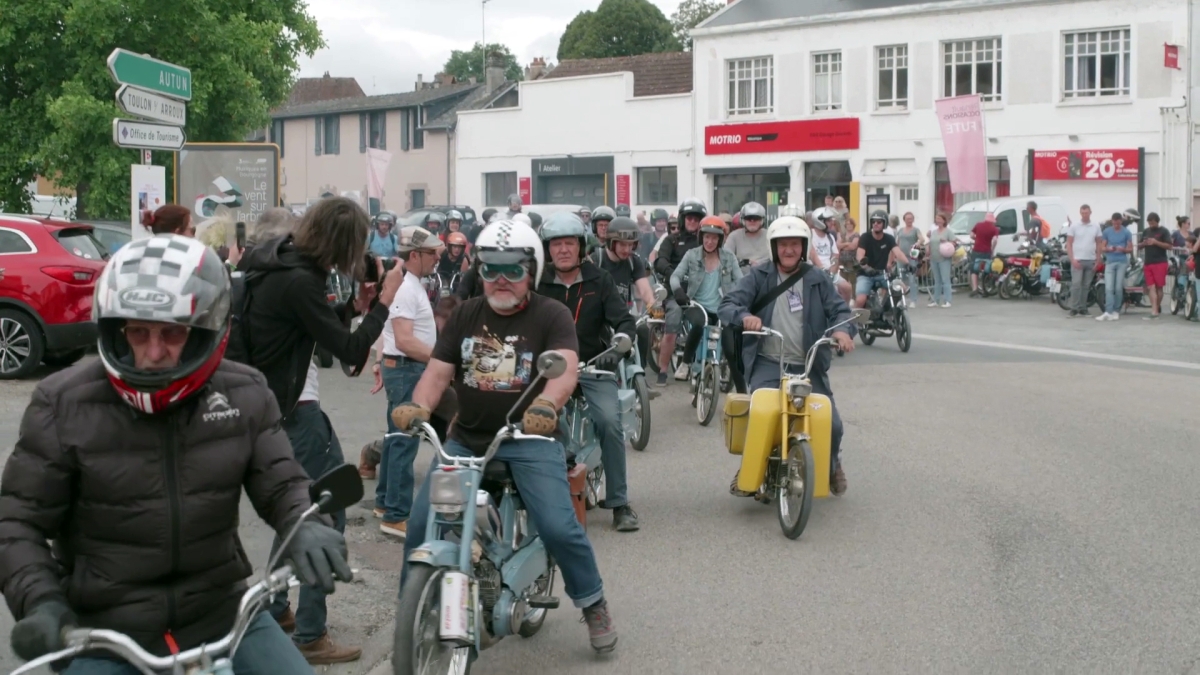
[[818, 293]]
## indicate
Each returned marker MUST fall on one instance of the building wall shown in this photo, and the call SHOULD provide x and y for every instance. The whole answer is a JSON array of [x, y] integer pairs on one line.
[[591, 116], [899, 148]]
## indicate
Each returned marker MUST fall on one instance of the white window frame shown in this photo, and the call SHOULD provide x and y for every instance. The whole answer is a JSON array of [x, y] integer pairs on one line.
[[1095, 44], [827, 75], [750, 73], [974, 51], [892, 58], [645, 196], [502, 176], [907, 193]]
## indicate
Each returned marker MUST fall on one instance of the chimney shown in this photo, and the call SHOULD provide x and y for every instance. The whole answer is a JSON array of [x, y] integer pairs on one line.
[[536, 69], [327, 74], [494, 76]]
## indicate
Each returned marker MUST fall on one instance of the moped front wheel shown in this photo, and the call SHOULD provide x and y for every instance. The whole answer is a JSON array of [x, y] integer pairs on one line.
[[726, 378], [903, 331], [1177, 298], [417, 647], [595, 487], [1189, 305], [794, 494], [641, 433], [1064, 298], [706, 394]]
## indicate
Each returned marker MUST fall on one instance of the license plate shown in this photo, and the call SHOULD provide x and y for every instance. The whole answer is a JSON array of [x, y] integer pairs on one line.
[[1054, 285]]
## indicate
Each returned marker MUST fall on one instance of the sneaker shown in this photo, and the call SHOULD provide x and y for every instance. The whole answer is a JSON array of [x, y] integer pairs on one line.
[[601, 632], [662, 380], [837, 482], [682, 372], [1103, 317], [324, 651], [1114, 316], [1074, 313], [975, 294], [287, 620], [378, 513], [398, 530], [945, 305], [625, 519], [1150, 318], [1084, 312], [933, 303]]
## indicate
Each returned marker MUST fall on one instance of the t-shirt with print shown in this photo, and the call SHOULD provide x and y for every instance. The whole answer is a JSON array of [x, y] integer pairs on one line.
[[1118, 239], [1156, 254], [877, 250], [824, 247], [985, 234], [625, 273], [495, 359], [412, 303]]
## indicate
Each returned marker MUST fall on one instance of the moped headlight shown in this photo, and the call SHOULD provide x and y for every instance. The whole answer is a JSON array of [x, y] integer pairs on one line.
[[446, 492], [898, 286], [799, 389]]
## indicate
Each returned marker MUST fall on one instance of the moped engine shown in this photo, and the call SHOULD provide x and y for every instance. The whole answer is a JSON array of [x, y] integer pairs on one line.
[[489, 583]]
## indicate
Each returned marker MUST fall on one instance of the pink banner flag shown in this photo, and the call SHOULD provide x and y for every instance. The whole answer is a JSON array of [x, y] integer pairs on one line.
[[961, 122], [377, 167]]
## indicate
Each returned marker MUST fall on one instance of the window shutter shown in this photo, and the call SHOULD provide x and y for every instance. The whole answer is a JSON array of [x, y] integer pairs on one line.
[[362, 132], [319, 135], [404, 130], [383, 130]]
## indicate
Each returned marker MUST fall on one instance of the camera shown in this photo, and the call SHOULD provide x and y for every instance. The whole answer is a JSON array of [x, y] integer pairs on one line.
[[371, 267]]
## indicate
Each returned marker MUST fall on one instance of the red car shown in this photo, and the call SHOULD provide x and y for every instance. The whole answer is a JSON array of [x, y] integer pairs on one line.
[[48, 271]]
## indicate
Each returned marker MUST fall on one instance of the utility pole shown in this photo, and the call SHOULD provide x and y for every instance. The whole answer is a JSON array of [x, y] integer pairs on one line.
[[483, 38]]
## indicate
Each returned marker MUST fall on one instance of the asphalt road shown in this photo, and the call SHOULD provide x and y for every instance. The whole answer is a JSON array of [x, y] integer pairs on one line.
[[1021, 499]]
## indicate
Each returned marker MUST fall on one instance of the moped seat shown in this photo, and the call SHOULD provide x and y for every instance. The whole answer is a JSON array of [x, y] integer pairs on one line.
[[497, 471]]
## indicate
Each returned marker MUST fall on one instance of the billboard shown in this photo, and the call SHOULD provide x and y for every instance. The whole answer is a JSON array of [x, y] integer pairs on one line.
[[238, 180], [839, 133], [1116, 164]]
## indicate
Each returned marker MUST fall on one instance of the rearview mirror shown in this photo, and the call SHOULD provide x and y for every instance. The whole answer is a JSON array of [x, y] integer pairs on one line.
[[622, 343], [337, 490], [551, 364]]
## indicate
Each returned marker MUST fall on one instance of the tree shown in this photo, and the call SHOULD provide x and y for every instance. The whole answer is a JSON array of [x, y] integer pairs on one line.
[[689, 15], [617, 28], [464, 65], [57, 98]]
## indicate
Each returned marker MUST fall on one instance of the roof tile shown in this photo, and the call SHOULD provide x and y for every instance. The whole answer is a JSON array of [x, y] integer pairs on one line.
[[653, 74], [369, 103], [312, 89]]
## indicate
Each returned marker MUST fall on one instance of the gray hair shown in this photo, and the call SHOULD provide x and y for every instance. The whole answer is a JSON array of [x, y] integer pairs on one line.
[[274, 222]]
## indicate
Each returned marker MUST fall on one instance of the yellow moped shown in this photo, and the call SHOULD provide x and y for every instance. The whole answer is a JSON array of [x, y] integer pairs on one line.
[[783, 436]]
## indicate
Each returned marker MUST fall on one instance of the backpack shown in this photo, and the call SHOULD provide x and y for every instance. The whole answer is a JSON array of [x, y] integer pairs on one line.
[[237, 347]]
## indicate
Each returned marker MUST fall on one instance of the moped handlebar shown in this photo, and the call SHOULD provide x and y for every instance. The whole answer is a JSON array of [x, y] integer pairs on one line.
[[507, 432]]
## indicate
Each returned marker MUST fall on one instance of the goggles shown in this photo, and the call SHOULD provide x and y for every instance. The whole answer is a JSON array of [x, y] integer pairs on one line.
[[512, 273]]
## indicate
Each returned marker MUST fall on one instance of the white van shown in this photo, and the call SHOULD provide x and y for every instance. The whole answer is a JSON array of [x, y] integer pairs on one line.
[[1011, 218]]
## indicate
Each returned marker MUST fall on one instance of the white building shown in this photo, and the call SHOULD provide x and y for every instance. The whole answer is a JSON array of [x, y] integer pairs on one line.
[[794, 100], [591, 132]]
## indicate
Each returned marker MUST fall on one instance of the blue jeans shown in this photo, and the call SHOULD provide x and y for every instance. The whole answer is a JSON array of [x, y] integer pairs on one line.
[[601, 398], [394, 491], [865, 284], [265, 650], [1114, 285], [765, 373], [539, 469], [942, 280], [318, 450]]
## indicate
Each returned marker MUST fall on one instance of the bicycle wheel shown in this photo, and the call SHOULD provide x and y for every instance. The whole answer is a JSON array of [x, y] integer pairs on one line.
[[706, 394], [795, 489], [903, 331], [641, 436]]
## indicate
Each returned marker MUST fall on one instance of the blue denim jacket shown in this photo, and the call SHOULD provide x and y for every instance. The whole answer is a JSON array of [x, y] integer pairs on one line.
[[692, 267]]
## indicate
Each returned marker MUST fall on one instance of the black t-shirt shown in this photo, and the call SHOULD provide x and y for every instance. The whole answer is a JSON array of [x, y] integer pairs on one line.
[[625, 273], [877, 250], [495, 359], [1154, 254], [448, 266]]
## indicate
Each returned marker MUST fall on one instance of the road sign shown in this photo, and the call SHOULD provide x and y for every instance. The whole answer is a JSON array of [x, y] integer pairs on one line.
[[151, 106], [133, 134], [148, 73]]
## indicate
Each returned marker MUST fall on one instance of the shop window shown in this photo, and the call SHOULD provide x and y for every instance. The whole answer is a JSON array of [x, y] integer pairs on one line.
[[277, 134], [827, 81], [658, 185], [732, 191], [751, 85], [418, 199], [498, 186], [946, 201], [892, 77], [1096, 63], [972, 67], [907, 194]]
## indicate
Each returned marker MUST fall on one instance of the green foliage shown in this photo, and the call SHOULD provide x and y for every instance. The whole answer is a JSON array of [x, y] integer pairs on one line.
[[467, 64], [617, 28], [688, 15], [57, 98]]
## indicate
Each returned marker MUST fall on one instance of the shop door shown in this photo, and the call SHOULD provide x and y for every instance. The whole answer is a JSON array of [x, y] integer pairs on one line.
[[825, 178], [732, 191], [582, 190]]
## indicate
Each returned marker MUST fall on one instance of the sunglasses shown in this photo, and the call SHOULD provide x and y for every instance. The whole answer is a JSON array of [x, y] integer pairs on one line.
[[512, 273], [170, 335]]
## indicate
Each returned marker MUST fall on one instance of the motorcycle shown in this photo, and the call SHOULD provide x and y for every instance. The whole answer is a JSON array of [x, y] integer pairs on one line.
[[579, 433], [710, 372], [783, 437], [448, 285], [1181, 280], [485, 574], [1134, 293], [1022, 274], [888, 313], [634, 394], [336, 490]]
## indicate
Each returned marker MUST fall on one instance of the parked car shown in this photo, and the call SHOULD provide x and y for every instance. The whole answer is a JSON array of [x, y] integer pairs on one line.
[[113, 234], [1011, 218], [48, 272], [417, 216]]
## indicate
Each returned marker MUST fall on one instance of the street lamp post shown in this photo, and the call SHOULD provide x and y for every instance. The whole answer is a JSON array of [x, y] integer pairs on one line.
[[483, 37]]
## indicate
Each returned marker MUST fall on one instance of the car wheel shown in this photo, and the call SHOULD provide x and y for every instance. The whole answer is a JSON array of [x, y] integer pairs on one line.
[[64, 359], [21, 344]]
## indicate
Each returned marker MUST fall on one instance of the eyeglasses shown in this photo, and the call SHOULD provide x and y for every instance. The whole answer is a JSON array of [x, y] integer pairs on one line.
[[512, 273], [172, 335]]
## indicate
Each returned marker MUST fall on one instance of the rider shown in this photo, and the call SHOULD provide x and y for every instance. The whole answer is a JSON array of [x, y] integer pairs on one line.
[[383, 242], [658, 228], [629, 272], [601, 217], [134, 464], [809, 307], [823, 251], [454, 259], [488, 352], [876, 252], [749, 243], [454, 220], [597, 306], [671, 250], [514, 206], [435, 222], [705, 273]]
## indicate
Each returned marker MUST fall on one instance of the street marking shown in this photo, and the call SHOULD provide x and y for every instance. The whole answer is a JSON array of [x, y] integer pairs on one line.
[[1061, 352]]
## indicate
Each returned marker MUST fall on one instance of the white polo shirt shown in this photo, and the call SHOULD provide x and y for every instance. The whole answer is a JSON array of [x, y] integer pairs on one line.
[[412, 303]]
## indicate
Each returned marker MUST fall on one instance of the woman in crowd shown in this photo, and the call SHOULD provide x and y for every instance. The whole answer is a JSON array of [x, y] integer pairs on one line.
[[907, 237], [941, 259]]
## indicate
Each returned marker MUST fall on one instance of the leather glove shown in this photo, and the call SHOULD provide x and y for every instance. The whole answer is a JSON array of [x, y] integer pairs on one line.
[[318, 554], [681, 298], [541, 417], [41, 631], [406, 413], [608, 362]]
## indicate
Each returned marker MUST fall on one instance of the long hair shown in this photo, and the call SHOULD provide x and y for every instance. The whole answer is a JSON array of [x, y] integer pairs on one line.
[[168, 219], [333, 233]]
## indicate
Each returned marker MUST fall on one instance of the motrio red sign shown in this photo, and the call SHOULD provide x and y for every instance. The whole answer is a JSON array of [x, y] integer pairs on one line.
[[1085, 164], [799, 136]]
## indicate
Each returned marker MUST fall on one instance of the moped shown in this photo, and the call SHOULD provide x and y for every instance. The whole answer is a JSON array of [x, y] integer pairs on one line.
[[887, 312], [580, 441], [710, 372]]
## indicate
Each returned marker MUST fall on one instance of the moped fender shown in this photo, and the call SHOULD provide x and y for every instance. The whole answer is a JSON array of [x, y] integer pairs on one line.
[[762, 436], [436, 553], [526, 565], [820, 437], [632, 370]]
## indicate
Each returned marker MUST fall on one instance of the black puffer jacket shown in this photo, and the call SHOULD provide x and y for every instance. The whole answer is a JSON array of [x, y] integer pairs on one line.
[[143, 509], [672, 250], [595, 304]]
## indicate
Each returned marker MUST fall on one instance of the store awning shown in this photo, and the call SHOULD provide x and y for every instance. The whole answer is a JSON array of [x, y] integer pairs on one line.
[[734, 170]]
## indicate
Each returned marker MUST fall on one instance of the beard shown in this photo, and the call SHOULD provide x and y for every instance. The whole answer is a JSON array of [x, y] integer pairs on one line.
[[504, 304]]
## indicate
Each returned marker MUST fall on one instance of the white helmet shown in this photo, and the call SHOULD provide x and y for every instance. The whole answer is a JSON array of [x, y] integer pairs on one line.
[[824, 214], [791, 210], [522, 218], [788, 227], [508, 242]]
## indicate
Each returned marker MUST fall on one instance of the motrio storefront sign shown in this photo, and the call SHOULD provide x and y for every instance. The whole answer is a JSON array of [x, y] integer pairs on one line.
[[1119, 164], [796, 136]]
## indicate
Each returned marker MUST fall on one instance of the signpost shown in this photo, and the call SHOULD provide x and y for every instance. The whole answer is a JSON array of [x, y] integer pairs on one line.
[[131, 134], [144, 72], [151, 106]]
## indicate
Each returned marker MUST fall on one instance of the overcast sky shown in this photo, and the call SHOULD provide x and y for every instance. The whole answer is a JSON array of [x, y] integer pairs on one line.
[[385, 43]]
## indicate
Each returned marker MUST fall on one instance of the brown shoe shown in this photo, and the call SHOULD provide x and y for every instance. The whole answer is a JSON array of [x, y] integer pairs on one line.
[[324, 651], [838, 482], [368, 459], [287, 621], [398, 530]]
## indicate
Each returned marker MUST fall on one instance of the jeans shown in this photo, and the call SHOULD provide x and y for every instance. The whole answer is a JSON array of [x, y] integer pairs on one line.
[[265, 650], [865, 284], [1114, 285], [539, 469], [1081, 284], [601, 395], [764, 373], [318, 450], [697, 331], [942, 280], [394, 491]]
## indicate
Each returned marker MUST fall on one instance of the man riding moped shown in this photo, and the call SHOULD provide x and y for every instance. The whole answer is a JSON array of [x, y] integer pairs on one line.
[[670, 252], [876, 252], [799, 301]]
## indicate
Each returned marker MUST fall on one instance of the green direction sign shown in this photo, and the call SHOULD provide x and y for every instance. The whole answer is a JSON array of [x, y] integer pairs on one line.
[[144, 72]]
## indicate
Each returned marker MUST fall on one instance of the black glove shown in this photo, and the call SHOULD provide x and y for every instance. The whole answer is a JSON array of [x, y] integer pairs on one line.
[[41, 631], [318, 555], [681, 298], [608, 361], [663, 267]]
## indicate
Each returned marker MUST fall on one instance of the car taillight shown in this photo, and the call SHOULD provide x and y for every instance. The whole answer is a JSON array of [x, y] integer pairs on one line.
[[70, 275]]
